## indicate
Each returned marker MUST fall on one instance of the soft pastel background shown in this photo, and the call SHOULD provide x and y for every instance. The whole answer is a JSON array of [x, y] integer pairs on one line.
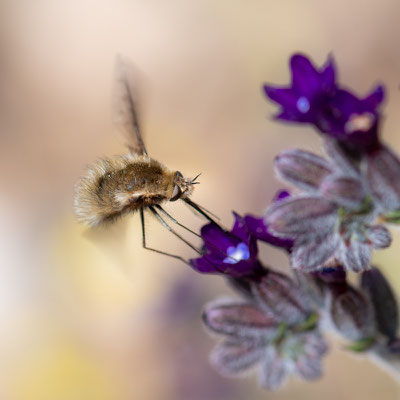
[[90, 315]]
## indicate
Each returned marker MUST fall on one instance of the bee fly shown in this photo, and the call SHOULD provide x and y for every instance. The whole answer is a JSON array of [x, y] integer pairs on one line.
[[133, 182]]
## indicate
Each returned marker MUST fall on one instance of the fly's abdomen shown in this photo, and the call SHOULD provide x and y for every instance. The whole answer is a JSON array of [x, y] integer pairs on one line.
[[112, 187]]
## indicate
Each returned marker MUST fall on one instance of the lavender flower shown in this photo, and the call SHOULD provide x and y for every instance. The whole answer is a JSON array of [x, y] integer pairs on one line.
[[273, 329], [235, 253], [335, 219], [315, 98]]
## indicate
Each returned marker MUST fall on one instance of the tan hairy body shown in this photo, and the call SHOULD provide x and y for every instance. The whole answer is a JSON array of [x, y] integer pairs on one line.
[[112, 187]]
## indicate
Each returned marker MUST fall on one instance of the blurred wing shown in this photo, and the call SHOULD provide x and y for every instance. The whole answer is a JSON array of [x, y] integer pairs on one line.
[[125, 114]]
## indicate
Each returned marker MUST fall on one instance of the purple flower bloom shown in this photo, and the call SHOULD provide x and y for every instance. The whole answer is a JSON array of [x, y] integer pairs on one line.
[[273, 330], [260, 231], [315, 98], [233, 253], [336, 220]]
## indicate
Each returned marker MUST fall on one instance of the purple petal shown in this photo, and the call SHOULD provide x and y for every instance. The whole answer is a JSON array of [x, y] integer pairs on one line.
[[305, 77], [206, 265], [344, 104], [242, 320], [239, 228], [285, 97], [301, 168], [328, 73], [214, 236], [379, 236], [313, 254], [383, 300], [375, 98], [280, 195], [236, 356], [260, 231], [383, 174], [290, 116], [344, 191], [296, 216], [273, 371], [355, 255], [209, 264], [293, 107]]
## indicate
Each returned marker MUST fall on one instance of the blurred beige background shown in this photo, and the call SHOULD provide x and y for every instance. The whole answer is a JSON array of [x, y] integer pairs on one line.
[[90, 315]]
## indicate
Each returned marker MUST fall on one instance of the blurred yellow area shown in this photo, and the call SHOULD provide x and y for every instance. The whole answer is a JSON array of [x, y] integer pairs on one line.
[[61, 371], [90, 314]]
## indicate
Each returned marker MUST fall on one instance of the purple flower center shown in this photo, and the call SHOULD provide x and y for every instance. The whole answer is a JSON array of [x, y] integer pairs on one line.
[[360, 122], [236, 254], [303, 105]]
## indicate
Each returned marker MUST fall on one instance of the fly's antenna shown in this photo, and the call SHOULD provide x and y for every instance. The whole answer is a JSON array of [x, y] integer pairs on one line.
[[193, 181]]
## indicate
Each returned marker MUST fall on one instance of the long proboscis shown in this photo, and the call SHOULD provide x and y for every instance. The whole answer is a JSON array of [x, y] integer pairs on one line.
[[201, 210]]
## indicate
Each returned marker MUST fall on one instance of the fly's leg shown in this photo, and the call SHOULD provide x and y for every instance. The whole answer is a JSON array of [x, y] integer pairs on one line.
[[155, 250], [158, 216]]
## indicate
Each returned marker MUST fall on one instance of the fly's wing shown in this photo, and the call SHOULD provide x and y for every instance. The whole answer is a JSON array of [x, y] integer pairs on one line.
[[125, 114]]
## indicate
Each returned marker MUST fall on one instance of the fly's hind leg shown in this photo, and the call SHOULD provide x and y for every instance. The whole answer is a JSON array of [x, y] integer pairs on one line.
[[155, 250]]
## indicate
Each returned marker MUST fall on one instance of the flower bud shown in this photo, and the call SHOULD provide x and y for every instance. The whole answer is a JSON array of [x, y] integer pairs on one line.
[[383, 301], [239, 319], [383, 174], [379, 236], [302, 215], [278, 294], [344, 191], [351, 314], [301, 168]]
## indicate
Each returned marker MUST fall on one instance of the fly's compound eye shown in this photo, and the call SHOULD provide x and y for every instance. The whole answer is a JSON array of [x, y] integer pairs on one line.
[[176, 193], [178, 174]]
